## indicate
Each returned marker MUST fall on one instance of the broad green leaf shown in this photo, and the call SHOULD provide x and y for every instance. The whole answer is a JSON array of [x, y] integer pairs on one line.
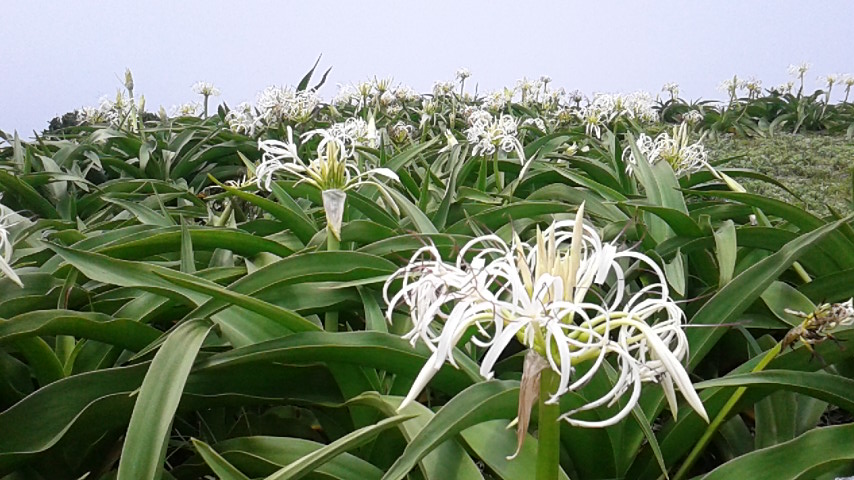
[[726, 251], [295, 220], [477, 404], [419, 220], [279, 315], [95, 326], [780, 296], [144, 214], [492, 442], [807, 456], [58, 406], [734, 298], [144, 448], [369, 349], [220, 466], [448, 460], [261, 456], [359, 437]]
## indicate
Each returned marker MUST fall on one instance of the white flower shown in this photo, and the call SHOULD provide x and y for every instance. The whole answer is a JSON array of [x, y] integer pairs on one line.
[[672, 88], [593, 117], [487, 133], [6, 246], [785, 88], [692, 117], [242, 119], [347, 95], [675, 150], [799, 70], [332, 170], [463, 73], [405, 93], [188, 109], [205, 88], [753, 86], [282, 104], [401, 132], [536, 123], [495, 102], [830, 79], [539, 294], [731, 87], [382, 85], [443, 89]]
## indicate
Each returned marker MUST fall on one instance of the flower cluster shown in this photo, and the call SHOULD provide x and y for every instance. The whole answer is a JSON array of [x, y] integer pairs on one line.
[[672, 88], [540, 294], [333, 170], [119, 111], [242, 119], [684, 157], [488, 133], [206, 89], [607, 107], [188, 109], [285, 104]]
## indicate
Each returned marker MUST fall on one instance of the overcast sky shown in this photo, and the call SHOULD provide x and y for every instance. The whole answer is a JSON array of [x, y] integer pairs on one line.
[[58, 56]]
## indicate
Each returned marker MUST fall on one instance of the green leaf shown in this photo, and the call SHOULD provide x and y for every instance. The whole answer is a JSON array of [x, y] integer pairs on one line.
[[220, 466], [30, 198], [780, 296], [306, 464], [261, 456], [477, 404], [95, 326], [144, 214], [419, 219], [491, 441], [369, 349], [279, 315], [743, 290], [188, 260], [834, 389], [294, 219], [448, 460], [726, 251], [144, 449], [807, 456], [60, 405]]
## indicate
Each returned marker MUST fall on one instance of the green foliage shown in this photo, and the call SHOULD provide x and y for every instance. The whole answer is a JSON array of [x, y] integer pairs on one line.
[[170, 319]]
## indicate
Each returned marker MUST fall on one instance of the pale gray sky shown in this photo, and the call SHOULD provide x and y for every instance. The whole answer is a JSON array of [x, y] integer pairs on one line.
[[58, 56]]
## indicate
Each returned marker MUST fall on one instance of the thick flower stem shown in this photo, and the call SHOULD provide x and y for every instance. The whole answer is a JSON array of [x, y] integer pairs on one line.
[[723, 414], [548, 440], [330, 322]]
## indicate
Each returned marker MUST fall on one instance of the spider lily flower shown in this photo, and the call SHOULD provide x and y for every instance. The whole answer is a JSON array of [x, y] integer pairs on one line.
[[799, 70], [538, 293], [285, 104], [333, 171], [206, 89], [684, 157], [672, 88], [488, 133], [6, 247]]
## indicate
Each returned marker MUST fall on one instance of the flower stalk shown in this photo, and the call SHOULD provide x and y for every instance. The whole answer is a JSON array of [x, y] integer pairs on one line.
[[548, 438]]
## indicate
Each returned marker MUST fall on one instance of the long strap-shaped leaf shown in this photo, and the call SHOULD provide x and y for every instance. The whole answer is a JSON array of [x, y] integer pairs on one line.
[[804, 457], [145, 445], [306, 464], [477, 404]]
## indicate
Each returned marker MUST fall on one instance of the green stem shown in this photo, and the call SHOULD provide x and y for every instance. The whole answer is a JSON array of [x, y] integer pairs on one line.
[[723, 414], [330, 322], [548, 439]]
